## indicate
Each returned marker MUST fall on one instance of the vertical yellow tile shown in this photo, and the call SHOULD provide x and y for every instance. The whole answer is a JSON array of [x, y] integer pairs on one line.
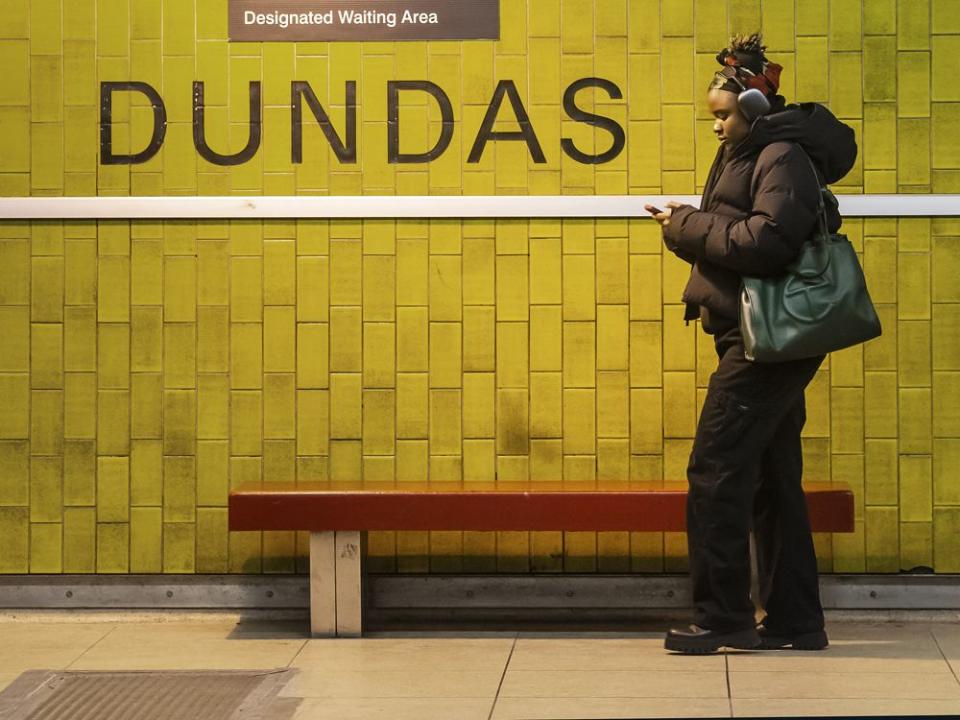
[[279, 405], [579, 355], [412, 339], [179, 547], [946, 527], [212, 547], [478, 271], [179, 422], [546, 337], [279, 272], [345, 406], [46, 422], [180, 355], [279, 338], [346, 339], [15, 325], [79, 540], [916, 545], [916, 488], [445, 354], [313, 422], [113, 489], [579, 421], [379, 287], [378, 432], [313, 364], [846, 420], [579, 287], [46, 355], [146, 540], [213, 272], [46, 489], [79, 338], [512, 354], [645, 288], [445, 422], [479, 404], [179, 289], [478, 338], [15, 411], [146, 272], [14, 534], [512, 287], [179, 489], [613, 407], [445, 287], [346, 271], [613, 344], [246, 422], [246, 289], [246, 355], [915, 420], [146, 405], [47, 289], [412, 406]]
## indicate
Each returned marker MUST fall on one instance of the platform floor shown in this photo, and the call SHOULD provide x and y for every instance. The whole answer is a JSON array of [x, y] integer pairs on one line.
[[870, 669]]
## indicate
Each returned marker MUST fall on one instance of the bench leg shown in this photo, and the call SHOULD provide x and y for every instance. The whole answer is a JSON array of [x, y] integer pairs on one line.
[[336, 583], [351, 549]]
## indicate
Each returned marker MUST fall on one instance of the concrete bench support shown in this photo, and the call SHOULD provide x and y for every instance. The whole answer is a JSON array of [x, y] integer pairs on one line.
[[336, 582]]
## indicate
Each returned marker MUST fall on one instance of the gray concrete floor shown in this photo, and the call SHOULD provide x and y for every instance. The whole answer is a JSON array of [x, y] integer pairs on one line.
[[869, 669]]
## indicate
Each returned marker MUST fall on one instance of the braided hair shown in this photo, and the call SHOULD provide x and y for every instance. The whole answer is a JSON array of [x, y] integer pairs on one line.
[[745, 55]]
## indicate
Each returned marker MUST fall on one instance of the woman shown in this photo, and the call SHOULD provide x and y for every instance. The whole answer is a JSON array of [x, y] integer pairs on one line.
[[758, 206]]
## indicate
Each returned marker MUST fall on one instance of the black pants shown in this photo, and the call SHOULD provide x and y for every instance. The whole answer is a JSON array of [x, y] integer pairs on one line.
[[744, 472]]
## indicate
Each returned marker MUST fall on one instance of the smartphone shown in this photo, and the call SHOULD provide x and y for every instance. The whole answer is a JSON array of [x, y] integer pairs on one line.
[[653, 210]]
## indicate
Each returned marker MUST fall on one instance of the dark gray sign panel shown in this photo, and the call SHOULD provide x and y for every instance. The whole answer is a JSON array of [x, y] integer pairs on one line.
[[359, 20]]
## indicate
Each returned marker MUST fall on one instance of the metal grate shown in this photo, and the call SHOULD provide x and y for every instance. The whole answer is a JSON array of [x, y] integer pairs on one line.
[[206, 695]]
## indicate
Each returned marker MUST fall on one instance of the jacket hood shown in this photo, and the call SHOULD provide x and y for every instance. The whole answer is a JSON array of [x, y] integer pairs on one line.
[[830, 143]]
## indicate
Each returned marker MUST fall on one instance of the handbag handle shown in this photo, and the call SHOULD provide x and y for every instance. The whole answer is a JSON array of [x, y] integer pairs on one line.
[[821, 208]]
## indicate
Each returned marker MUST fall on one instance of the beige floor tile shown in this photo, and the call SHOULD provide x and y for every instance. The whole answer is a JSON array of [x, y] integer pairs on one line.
[[158, 646], [878, 685], [313, 682], [585, 708], [37, 646], [6, 679], [607, 654], [834, 708], [612, 683], [897, 652], [394, 709], [948, 641], [405, 654]]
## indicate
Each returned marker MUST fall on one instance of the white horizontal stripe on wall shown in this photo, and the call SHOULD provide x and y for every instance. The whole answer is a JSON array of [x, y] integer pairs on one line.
[[418, 206]]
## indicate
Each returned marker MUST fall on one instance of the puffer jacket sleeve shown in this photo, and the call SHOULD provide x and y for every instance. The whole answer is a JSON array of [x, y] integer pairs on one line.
[[783, 215]]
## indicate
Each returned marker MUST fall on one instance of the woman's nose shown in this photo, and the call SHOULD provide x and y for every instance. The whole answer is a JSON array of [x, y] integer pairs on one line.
[[717, 128]]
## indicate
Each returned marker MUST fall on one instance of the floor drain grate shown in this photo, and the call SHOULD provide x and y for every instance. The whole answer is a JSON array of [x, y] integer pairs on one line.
[[167, 695]]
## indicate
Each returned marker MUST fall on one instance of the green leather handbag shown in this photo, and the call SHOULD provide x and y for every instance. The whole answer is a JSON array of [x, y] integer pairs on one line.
[[820, 303]]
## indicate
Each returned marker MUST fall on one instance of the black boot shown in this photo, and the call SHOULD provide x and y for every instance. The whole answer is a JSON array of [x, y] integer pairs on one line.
[[696, 640], [777, 640]]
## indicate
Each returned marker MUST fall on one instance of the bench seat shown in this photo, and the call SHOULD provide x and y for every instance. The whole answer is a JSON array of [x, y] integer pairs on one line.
[[338, 515]]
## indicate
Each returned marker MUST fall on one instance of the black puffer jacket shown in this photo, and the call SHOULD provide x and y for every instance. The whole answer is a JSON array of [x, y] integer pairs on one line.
[[759, 204]]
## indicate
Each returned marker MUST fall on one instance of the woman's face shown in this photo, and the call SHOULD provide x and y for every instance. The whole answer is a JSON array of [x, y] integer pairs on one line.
[[729, 123]]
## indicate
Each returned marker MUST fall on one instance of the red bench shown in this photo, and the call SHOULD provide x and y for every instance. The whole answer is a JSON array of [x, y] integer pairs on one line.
[[339, 514]]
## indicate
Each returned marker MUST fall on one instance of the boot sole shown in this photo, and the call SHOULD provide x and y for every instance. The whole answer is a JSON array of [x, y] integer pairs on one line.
[[740, 640], [804, 641]]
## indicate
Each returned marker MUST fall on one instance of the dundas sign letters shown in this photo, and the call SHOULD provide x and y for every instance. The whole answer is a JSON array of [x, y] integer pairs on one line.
[[359, 20]]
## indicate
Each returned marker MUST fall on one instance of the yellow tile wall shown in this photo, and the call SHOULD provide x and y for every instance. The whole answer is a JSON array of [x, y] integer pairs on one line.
[[149, 366]]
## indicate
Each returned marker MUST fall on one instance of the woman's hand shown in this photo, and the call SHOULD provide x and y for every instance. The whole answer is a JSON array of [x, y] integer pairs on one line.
[[664, 217]]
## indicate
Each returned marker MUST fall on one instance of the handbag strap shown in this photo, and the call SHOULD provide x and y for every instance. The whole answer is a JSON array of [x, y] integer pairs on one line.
[[821, 189]]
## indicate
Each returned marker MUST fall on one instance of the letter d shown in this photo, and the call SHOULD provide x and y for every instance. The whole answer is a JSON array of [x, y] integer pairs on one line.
[[106, 123]]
